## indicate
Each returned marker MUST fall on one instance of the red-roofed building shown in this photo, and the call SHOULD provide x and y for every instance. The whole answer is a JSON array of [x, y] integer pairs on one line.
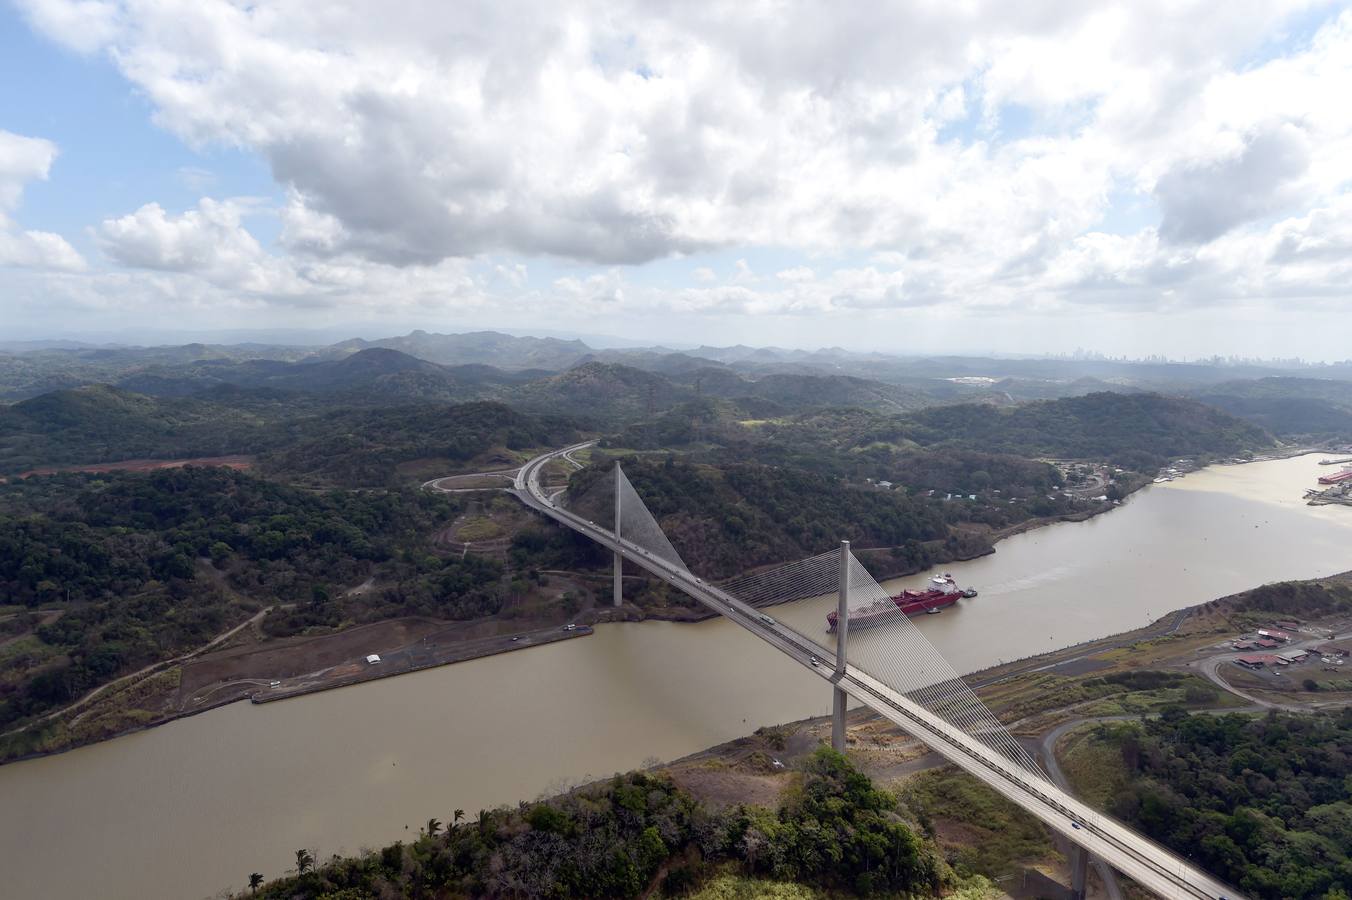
[[1266, 643], [1259, 660], [1274, 634]]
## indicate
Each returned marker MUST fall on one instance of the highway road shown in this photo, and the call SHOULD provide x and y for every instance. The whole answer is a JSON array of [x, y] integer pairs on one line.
[[1149, 864]]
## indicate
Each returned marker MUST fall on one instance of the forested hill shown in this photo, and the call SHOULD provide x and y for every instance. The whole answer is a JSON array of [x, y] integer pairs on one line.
[[366, 447], [731, 519], [325, 443], [100, 424], [1263, 803], [1309, 408], [124, 558], [1138, 431]]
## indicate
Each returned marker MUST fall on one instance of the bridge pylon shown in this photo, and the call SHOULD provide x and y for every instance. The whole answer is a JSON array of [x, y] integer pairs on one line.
[[839, 700], [619, 558]]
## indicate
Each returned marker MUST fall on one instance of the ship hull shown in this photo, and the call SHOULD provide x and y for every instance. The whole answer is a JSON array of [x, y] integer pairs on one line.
[[912, 603]]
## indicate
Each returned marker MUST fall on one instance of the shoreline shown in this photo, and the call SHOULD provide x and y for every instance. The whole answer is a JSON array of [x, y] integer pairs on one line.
[[629, 613]]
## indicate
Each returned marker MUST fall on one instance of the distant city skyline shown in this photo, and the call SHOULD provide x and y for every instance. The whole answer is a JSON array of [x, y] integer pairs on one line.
[[1137, 179]]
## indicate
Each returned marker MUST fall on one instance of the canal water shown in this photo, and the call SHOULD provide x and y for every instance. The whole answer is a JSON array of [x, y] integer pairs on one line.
[[189, 809]]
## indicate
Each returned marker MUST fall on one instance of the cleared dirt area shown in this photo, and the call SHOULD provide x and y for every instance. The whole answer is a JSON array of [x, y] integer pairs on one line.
[[289, 657], [148, 465]]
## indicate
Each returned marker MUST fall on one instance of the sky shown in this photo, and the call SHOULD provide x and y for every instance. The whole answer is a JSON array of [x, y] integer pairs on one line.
[[928, 176]]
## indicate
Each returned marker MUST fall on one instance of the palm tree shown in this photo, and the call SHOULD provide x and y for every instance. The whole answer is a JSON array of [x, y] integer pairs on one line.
[[304, 861], [459, 814], [433, 827], [255, 882]]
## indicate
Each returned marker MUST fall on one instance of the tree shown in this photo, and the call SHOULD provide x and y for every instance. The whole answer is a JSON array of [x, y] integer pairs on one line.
[[255, 882], [305, 861], [433, 827], [459, 814]]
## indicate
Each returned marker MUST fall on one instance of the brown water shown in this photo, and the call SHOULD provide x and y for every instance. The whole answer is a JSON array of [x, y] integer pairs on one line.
[[191, 808]]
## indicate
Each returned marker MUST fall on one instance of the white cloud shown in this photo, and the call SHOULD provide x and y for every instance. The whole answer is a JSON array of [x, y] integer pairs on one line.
[[507, 127], [24, 159], [208, 239], [970, 151], [195, 178], [1201, 203]]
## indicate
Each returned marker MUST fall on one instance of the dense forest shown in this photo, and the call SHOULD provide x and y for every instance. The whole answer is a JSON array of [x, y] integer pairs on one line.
[[730, 519], [141, 567], [635, 832], [364, 447], [1263, 803], [1136, 431], [296, 437], [101, 424], [1008, 489]]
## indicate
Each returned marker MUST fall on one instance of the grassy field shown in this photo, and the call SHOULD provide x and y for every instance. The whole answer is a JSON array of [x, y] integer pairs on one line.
[[478, 528], [1100, 693], [1092, 762], [983, 833], [731, 886]]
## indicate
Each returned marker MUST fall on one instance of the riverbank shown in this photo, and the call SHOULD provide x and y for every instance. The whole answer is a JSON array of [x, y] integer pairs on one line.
[[416, 658], [335, 771], [969, 823], [310, 664]]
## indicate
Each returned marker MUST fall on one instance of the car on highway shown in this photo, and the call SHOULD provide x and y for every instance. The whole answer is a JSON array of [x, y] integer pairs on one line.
[[814, 661], [766, 619]]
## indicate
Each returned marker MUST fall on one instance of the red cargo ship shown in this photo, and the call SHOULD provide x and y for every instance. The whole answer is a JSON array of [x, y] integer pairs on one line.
[[1334, 479], [942, 595]]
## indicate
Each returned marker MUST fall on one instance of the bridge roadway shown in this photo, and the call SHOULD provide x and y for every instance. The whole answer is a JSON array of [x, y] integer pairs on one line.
[[1151, 865]]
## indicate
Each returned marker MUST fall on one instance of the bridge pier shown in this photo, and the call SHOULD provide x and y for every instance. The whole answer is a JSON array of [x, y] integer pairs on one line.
[[1079, 871], [839, 700], [619, 559]]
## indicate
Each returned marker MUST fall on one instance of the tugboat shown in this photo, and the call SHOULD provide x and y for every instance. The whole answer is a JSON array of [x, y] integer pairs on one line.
[[942, 594]]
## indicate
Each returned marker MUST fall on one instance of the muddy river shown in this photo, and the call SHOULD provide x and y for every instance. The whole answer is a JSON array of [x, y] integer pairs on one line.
[[189, 809]]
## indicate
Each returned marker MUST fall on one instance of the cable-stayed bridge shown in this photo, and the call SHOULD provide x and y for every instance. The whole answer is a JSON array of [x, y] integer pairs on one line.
[[889, 667]]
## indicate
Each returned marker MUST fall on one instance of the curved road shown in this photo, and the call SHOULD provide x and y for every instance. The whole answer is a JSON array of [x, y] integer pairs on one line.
[[1149, 864]]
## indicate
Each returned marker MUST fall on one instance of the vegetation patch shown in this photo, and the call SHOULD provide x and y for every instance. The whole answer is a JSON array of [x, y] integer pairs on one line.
[[732, 886], [478, 528], [997, 835], [623, 837], [1092, 762], [1264, 803], [122, 554]]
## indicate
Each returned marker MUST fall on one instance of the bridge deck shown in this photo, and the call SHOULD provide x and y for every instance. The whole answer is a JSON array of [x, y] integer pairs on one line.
[[1153, 866]]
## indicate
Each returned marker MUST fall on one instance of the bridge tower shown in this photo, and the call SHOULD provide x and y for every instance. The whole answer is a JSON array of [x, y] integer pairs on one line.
[[838, 697], [619, 559]]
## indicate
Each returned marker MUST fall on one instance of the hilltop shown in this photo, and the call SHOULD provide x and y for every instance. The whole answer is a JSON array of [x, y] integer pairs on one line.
[[1139, 431]]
